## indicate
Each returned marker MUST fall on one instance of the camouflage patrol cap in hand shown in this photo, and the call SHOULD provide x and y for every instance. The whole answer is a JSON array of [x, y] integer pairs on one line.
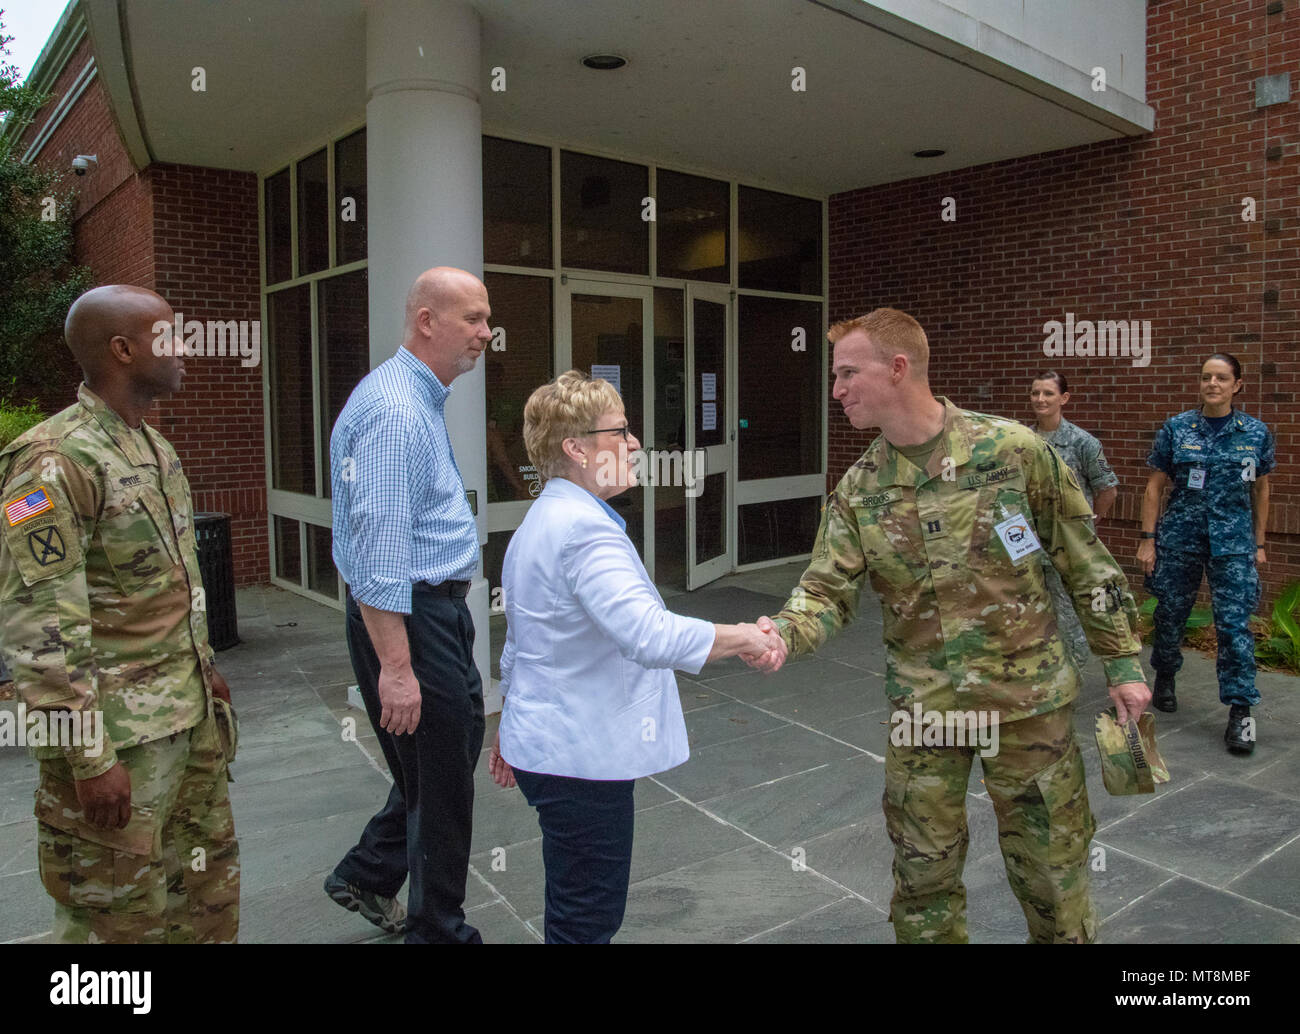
[[1130, 760]]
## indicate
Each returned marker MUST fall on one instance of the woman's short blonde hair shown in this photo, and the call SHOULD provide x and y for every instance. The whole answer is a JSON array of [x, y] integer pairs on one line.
[[567, 407]]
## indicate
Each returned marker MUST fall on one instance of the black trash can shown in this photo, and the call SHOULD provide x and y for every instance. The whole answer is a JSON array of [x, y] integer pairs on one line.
[[217, 569]]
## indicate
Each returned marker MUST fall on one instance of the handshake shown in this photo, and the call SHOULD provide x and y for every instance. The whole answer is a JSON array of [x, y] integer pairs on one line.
[[759, 645]]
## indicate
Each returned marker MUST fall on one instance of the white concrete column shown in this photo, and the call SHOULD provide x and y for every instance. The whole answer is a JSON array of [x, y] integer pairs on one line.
[[424, 182]]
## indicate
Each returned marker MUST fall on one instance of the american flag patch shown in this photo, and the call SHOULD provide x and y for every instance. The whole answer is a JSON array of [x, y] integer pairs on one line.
[[28, 506]]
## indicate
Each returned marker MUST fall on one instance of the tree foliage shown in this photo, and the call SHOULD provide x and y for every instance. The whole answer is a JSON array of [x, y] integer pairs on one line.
[[38, 278]]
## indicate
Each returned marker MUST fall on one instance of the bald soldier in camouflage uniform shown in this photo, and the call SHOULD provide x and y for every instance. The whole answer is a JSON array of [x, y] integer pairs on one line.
[[101, 596], [967, 629]]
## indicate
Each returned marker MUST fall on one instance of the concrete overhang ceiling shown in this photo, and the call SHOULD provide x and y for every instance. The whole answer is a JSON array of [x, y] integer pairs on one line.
[[707, 86]]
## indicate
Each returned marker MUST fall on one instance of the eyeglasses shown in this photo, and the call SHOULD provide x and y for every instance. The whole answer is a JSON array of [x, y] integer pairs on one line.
[[625, 430]]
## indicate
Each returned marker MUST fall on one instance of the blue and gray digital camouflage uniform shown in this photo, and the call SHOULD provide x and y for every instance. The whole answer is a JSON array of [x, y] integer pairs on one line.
[[1209, 528], [1084, 456]]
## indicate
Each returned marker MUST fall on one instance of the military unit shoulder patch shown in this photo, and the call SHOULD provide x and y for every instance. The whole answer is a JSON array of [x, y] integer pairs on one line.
[[27, 506]]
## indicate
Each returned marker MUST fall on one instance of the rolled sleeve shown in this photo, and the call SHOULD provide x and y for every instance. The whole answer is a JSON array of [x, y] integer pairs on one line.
[[603, 573], [1161, 456], [1266, 459], [1098, 472], [378, 517]]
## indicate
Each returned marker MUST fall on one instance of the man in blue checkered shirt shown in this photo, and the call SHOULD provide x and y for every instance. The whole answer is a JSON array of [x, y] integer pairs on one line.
[[406, 545]]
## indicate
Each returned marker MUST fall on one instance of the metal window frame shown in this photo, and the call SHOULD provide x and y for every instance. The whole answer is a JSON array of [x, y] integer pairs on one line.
[[506, 516], [296, 506]]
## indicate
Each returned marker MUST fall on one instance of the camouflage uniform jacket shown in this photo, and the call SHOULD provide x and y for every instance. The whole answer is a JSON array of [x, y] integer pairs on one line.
[[98, 572], [1083, 455], [965, 628], [1217, 518]]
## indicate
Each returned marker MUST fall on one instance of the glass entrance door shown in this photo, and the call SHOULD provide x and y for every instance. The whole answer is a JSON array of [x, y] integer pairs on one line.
[[710, 439], [605, 331]]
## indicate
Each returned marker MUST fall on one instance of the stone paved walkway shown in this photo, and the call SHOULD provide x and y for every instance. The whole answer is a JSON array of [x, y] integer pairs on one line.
[[781, 765]]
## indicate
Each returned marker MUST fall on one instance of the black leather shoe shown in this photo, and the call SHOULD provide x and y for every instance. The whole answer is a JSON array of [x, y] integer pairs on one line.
[[1162, 696], [1240, 737]]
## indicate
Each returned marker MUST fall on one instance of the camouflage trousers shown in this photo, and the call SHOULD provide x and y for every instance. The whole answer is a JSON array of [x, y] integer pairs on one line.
[[1234, 592], [171, 876], [1036, 781], [1067, 621]]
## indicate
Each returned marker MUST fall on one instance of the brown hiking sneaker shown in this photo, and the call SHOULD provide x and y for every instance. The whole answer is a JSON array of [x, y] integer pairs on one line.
[[388, 914]]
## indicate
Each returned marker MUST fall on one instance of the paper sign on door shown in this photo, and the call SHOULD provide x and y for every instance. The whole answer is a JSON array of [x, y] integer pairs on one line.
[[613, 374]]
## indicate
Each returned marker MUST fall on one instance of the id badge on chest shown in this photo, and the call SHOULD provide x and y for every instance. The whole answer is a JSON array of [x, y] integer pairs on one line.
[[1017, 535], [1196, 477]]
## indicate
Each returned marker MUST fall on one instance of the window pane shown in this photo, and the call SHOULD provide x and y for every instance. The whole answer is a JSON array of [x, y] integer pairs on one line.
[[608, 331], [780, 242], [344, 351], [768, 531], [600, 212], [710, 360], [781, 390], [711, 519], [516, 203], [313, 214], [322, 576], [670, 435], [521, 307], [289, 345], [350, 195], [692, 218], [670, 369], [279, 240], [288, 550]]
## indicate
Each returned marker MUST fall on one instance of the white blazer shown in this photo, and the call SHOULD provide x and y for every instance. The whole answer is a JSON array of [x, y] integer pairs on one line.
[[586, 669]]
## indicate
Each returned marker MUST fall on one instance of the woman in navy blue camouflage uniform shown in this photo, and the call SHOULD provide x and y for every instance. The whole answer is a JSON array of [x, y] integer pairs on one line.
[[1216, 460]]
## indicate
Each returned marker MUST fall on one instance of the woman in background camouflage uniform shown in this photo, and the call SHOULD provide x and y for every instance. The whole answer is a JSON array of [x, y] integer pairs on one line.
[[1083, 455]]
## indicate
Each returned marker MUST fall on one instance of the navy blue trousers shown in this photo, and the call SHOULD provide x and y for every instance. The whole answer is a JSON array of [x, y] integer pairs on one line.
[[587, 849], [1234, 592], [424, 829]]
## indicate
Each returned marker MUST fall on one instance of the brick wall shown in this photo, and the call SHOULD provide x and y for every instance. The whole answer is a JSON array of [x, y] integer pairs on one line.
[[1147, 228], [206, 266], [191, 235]]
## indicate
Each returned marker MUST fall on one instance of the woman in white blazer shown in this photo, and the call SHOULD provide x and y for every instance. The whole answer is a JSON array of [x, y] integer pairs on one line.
[[590, 700]]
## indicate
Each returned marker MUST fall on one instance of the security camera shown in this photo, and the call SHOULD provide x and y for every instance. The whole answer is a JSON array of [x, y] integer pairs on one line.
[[83, 162]]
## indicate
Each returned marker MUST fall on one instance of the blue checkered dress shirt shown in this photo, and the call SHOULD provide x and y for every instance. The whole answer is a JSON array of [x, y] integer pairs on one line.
[[400, 512]]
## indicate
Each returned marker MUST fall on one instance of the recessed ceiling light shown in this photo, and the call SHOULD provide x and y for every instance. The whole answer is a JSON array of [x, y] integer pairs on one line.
[[929, 152], [604, 62]]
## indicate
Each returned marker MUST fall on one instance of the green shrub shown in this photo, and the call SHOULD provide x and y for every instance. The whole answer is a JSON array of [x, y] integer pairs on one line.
[[15, 419], [1279, 646], [1277, 637], [1200, 617]]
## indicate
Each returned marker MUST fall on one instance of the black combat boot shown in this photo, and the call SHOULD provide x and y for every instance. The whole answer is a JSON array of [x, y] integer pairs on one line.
[[1237, 738], [1162, 697]]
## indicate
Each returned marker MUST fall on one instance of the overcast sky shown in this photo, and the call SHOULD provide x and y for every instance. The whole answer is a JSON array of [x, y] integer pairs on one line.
[[30, 23]]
